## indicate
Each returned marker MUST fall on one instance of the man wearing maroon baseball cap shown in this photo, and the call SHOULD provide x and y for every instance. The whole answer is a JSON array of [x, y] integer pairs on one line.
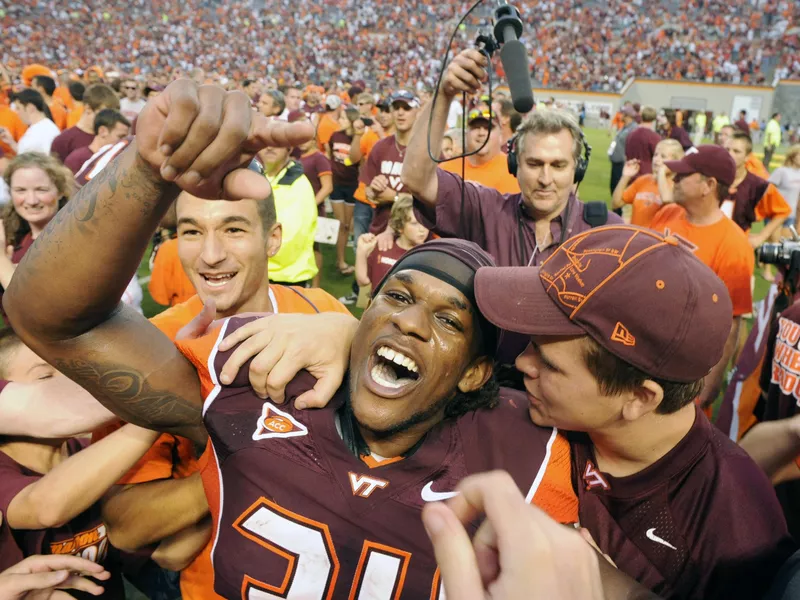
[[701, 182], [625, 324]]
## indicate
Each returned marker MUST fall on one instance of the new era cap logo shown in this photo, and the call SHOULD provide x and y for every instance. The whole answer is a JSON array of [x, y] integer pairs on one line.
[[622, 335], [273, 422]]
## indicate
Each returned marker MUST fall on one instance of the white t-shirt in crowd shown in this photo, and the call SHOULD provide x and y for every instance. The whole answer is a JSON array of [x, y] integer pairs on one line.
[[38, 137], [130, 109]]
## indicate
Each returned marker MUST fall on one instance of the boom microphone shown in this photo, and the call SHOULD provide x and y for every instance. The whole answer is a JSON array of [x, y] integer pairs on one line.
[[507, 29]]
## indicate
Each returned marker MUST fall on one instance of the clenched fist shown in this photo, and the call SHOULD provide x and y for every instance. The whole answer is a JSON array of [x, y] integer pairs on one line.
[[466, 73], [197, 135]]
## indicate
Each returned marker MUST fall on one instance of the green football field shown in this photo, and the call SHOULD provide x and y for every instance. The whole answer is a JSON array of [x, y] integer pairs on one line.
[[594, 187]]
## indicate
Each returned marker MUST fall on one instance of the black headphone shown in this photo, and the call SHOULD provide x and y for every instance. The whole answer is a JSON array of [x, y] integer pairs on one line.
[[580, 167]]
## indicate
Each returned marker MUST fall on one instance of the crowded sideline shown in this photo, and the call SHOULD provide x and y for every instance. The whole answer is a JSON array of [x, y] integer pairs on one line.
[[254, 438]]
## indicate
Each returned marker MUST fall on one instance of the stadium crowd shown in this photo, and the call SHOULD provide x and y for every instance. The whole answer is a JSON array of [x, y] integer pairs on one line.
[[525, 353], [574, 45]]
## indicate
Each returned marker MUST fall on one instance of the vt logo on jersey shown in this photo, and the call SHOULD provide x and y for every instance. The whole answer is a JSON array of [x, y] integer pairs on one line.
[[273, 422], [364, 485], [593, 478], [392, 170]]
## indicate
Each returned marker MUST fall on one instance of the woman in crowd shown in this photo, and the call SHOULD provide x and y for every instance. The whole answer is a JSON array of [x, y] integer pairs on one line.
[[345, 182], [39, 186]]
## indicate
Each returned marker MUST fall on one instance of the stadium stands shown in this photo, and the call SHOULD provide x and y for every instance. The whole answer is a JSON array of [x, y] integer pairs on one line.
[[575, 44]]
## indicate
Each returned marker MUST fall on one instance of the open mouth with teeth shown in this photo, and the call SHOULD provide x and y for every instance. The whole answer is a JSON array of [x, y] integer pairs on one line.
[[392, 369], [217, 280]]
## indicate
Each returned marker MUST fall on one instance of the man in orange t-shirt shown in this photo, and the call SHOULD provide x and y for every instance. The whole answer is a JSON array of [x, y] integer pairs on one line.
[[46, 86], [224, 249], [10, 121], [169, 285], [488, 167], [702, 180], [643, 193]]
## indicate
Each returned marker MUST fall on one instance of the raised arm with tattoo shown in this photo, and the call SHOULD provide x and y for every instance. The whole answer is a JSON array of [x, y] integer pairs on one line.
[[66, 305]]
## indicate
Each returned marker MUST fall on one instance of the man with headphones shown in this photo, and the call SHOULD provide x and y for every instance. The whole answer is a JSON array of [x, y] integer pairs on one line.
[[549, 157]]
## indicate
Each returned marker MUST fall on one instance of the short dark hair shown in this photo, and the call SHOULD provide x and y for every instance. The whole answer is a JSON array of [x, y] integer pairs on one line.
[[98, 96], [48, 84], [615, 376], [266, 211], [31, 96], [76, 89], [723, 191], [108, 118], [278, 99], [649, 114], [742, 136], [9, 343], [248, 82]]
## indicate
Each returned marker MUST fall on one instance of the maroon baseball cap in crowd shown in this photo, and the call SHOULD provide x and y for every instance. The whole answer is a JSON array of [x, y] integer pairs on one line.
[[708, 160], [642, 296]]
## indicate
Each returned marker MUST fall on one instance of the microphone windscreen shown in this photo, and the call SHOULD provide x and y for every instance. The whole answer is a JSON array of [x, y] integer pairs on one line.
[[515, 64]]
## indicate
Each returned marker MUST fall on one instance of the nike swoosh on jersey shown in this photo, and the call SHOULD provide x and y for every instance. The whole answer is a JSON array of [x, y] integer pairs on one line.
[[428, 495], [652, 536]]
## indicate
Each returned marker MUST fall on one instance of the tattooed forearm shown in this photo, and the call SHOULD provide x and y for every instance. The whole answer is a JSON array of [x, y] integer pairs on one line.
[[128, 394]]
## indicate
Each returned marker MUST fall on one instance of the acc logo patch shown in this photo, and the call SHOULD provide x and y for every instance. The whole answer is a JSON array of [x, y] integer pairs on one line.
[[273, 422]]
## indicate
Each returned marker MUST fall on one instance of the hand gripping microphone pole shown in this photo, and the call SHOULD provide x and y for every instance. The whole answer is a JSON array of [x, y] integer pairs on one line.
[[507, 29]]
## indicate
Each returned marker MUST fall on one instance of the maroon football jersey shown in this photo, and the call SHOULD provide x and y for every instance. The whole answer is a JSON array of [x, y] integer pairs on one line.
[[701, 522], [98, 161], [299, 516], [386, 158]]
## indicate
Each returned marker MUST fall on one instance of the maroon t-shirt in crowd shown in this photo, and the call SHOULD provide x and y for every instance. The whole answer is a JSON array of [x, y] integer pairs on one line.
[[498, 224], [344, 173], [702, 522], [748, 194], [70, 140], [641, 145], [386, 158], [314, 166], [742, 126], [780, 382], [680, 134], [379, 263], [77, 158], [83, 536], [287, 479]]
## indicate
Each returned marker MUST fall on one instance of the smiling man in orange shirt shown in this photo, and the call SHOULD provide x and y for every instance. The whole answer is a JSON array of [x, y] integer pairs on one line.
[[224, 248]]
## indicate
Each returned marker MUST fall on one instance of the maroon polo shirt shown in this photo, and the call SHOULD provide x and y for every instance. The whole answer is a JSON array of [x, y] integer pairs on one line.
[[702, 522], [641, 145], [70, 140], [499, 225], [742, 126]]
